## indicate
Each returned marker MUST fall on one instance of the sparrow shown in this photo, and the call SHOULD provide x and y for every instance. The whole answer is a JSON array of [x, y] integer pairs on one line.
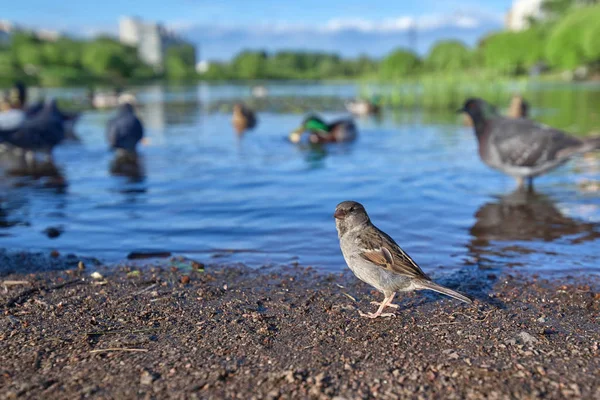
[[375, 258]]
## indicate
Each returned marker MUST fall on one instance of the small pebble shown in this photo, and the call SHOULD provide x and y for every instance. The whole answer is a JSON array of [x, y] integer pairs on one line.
[[526, 338], [52, 232], [147, 377], [96, 275]]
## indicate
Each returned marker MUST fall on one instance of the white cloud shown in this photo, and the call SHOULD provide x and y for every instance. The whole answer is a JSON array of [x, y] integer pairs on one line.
[[404, 23], [469, 19], [466, 20], [364, 25]]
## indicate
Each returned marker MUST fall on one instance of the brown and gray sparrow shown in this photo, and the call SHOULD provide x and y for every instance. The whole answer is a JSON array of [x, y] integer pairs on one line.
[[376, 259]]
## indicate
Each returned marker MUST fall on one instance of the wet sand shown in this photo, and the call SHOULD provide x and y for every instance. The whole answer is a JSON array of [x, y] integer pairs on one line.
[[181, 330]]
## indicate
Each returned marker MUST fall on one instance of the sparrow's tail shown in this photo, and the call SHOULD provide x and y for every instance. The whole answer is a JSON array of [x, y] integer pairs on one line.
[[443, 290]]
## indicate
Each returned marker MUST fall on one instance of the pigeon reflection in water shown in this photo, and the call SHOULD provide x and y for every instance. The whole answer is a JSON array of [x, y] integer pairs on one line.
[[527, 216]]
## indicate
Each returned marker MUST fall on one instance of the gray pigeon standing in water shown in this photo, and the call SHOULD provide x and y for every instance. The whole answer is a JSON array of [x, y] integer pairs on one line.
[[520, 147], [123, 133], [125, 130], [39, 133]]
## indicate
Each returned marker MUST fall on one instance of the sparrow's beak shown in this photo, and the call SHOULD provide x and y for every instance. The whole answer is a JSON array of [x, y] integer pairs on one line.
[[339, 214], [460, 110]]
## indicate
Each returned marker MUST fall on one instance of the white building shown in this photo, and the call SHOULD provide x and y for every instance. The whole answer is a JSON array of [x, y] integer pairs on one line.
[[517, 18], [151, 39]]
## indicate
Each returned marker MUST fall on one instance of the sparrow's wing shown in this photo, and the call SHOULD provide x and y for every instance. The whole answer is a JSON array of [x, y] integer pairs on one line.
[[383, 251]]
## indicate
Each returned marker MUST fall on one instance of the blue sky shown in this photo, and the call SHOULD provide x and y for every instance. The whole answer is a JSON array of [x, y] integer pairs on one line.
[[222, 28]]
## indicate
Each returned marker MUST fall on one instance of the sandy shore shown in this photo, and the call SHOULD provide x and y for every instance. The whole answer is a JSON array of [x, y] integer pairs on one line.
[[183, 331]]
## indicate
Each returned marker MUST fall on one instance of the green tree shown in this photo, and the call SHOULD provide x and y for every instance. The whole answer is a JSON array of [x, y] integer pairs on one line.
[[399, 64], [568, 45], [29, 53], [512, 52], [180, 61], [448, 55], [365, 65], [250, 64], [555, 9], [285, 63], [591, 44], [329, 67], [217, 71], [107, 57], [9, 70], [64, 51]]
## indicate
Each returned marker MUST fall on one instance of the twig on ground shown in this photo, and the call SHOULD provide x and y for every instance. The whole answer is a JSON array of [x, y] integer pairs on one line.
[[99, 333], [348, 296], [118, 349], [486, 314], [26, 293], [440, 323], [146, 289], [15, 283]]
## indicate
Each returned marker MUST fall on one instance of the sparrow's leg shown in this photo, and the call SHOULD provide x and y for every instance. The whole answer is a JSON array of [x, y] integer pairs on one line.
[[520, 182], [389, 304], [379, 312], [530, 184]]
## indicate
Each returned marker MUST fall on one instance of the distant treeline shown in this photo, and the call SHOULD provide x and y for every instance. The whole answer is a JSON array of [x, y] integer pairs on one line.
[[67, 61], [566, 37], [290, 65]]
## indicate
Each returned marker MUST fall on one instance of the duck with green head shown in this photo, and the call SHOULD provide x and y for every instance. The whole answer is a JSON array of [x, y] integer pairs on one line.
[[342, 130]]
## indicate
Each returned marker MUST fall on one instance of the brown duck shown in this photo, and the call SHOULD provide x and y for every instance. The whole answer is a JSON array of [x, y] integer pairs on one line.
[[243, 118]]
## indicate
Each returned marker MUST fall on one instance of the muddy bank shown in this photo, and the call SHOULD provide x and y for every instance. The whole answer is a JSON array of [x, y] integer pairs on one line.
[[185, 330]]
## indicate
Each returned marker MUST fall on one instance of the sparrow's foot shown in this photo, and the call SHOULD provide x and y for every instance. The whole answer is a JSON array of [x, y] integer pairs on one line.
[[375, 315], [387, 305]]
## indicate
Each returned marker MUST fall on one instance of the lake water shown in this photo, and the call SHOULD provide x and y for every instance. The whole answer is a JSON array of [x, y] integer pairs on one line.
[[258, 199]]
